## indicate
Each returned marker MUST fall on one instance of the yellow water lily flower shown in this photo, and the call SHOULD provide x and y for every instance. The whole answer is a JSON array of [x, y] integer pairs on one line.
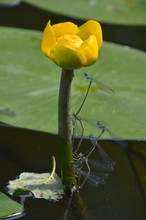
[[70, 46]]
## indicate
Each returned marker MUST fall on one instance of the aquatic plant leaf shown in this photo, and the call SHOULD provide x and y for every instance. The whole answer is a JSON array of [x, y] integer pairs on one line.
[[110, 11], [8, 206], [29, 85], [41, 185]]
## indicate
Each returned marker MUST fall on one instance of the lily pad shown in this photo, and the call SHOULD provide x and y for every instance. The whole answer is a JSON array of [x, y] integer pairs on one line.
[[29, 84], [8, 206], [109, 11]]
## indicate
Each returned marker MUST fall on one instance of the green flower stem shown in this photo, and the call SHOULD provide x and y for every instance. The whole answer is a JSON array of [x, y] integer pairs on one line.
[[65, 134], [78, 207], [64, 128]]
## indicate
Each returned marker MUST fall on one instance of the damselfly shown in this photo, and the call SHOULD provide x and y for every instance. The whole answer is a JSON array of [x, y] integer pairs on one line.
[[99, 84], [82, 169], [93, 178], [77, 121], [101, 128], [98, 126], [82, 164], [106, 162], [75, 118]]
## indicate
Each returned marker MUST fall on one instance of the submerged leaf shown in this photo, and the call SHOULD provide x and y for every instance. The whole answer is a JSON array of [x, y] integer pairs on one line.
[[41, 185]]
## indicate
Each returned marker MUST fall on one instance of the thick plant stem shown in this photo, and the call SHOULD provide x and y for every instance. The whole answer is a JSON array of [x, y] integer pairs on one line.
[[64, 128], [66, 151]]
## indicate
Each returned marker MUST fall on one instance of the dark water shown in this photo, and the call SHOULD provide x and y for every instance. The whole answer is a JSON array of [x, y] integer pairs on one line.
[[121, 197], [124, 194]]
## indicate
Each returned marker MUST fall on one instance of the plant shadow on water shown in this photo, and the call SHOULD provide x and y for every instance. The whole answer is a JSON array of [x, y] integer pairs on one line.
[[122, 196]]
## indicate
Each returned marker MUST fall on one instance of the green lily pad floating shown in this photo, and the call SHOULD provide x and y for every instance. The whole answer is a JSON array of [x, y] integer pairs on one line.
[[29, 84], [109, 11], [8, 206]]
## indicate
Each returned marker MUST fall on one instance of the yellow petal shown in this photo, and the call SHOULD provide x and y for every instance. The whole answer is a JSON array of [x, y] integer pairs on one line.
[[49, 39], [91, 27], [67, 58], [65, 28], [90, 49], [71, 41]]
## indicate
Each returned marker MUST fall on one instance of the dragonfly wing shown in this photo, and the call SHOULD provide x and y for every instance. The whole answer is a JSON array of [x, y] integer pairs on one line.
[[100, 166], [99, 84], [109, 163], [104, 87], [95, 179]]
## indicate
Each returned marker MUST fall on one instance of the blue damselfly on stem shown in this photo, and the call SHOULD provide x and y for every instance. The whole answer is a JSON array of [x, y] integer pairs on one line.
[[100, 85], [107, 163], [82, 168], [99, 124], [75, 118], [101, 128], [102, 167], [82, 162]]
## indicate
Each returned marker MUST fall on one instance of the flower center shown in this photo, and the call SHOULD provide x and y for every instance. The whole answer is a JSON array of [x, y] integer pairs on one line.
[[71, 41]]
